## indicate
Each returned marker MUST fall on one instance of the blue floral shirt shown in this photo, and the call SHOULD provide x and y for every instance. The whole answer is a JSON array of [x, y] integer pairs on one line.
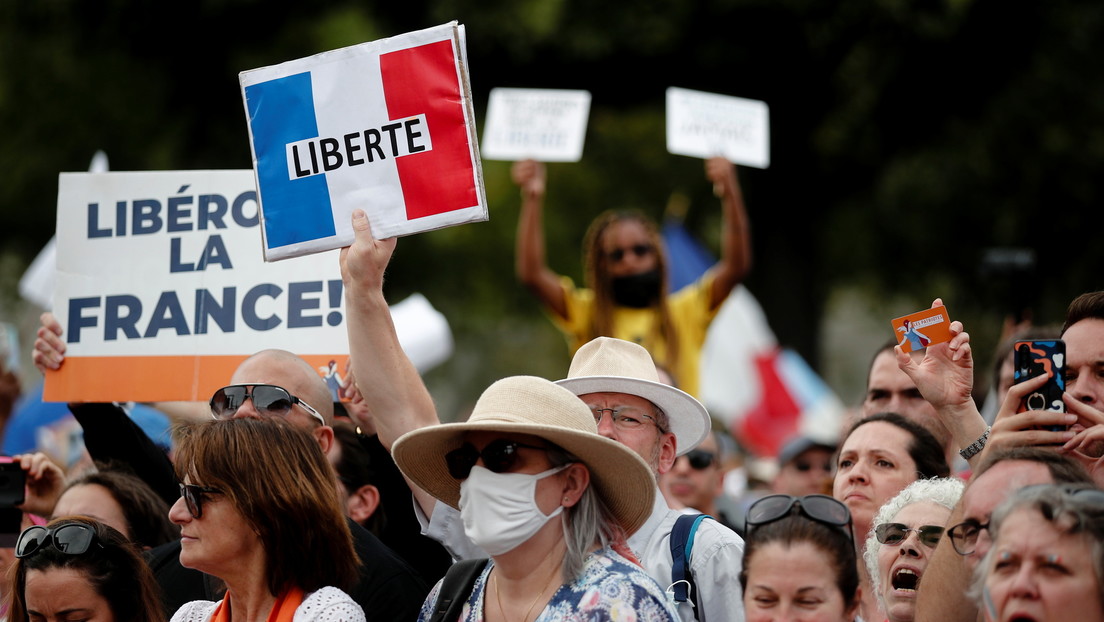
[[610, 587]]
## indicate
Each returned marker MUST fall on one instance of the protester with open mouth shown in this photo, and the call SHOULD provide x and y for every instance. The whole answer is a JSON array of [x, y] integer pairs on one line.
[[905, 533]]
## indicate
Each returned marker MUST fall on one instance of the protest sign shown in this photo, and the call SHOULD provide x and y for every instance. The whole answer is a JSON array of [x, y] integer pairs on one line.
[[541, 124], [386, 126], [705, 125], [161, 289]]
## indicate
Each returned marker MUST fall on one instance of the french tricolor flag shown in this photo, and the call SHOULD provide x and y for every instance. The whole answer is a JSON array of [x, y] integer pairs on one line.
[[386, 126]]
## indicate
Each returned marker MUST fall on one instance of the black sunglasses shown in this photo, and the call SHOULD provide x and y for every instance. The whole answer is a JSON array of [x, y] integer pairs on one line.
[[498, 456], [639, 250], [193, 497], [700, 459], [821, 508], [896, 533], [267, 398], [70, 538]]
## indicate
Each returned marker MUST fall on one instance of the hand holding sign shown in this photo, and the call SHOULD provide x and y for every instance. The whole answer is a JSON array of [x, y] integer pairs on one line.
[[386, 126]]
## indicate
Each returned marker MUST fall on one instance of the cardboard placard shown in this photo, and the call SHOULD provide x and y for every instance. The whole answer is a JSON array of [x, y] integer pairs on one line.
[[541, 124], [705, 125], [161, 290], [386, 126]]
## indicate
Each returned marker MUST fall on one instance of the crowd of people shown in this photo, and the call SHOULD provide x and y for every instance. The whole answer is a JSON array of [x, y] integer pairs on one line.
[[602, 495]]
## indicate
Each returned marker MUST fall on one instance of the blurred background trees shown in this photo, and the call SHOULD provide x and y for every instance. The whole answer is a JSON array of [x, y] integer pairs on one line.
[[909, 140]]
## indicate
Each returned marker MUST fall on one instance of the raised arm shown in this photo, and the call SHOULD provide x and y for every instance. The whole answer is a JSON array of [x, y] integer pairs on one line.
[[735, 263], [531, 262], [387, 380], [945, 378]]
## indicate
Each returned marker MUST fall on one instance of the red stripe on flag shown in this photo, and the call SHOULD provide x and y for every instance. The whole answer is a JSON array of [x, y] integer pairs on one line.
[[777, 415], [424, 80]]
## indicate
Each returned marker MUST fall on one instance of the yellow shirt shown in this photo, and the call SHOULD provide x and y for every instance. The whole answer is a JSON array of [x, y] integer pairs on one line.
[[690, 314]]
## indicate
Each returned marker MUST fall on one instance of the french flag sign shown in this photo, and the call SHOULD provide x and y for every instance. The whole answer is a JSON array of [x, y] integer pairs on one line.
[[386, 126]]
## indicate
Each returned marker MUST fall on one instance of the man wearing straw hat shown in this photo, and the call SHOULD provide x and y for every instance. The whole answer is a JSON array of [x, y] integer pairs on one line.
[[616, 379]]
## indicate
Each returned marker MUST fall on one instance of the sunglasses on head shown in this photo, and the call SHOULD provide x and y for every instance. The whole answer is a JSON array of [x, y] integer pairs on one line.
[[70, 538], [499, 456], [193, 497], [267, 398], [700, 459], [896, 533], [639, 250], [821, 508]]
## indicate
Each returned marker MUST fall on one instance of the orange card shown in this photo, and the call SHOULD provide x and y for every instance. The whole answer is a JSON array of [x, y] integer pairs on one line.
[[919, 330]]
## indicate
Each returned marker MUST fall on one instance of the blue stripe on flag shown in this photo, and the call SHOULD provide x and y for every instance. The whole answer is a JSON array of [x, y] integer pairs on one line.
[[281, 112]]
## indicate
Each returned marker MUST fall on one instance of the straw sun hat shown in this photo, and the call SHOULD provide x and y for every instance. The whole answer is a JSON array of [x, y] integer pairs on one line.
[[530, 405], [607, 365]]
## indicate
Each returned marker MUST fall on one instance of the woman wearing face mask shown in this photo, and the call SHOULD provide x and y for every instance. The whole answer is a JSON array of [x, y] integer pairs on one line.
[[626, 276], [549, 499]]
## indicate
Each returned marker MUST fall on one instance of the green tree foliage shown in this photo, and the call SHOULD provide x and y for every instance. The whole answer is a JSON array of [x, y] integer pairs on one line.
[[907, 137]]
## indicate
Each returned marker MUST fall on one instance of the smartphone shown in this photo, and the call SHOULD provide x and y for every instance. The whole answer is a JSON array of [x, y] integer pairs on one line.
[[1038, 358], [12, 483]]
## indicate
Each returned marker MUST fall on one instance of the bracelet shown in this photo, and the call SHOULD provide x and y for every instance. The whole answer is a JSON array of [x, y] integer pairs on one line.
[[976, 446]]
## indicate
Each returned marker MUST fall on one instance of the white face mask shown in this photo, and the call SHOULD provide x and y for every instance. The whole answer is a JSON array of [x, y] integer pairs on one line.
[[500, 509]]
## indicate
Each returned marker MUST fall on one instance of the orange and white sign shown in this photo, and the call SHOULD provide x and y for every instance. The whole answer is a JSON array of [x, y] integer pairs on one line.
[[162, 289]]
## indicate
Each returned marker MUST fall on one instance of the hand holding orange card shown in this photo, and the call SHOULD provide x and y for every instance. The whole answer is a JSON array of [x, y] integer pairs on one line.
[[919, 330]]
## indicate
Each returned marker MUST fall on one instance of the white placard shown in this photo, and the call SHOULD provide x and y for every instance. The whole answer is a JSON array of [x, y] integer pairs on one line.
[[540, 124], [161, 289], [705, 125]]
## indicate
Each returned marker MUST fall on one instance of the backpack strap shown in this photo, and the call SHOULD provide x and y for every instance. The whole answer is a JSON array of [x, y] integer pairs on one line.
[[682, 544], [455, 589]]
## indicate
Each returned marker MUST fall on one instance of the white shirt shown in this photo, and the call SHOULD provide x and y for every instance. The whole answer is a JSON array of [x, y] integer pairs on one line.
[[328, 604]]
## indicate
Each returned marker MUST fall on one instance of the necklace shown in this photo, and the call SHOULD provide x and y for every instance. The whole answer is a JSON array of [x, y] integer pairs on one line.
[[498, 597]]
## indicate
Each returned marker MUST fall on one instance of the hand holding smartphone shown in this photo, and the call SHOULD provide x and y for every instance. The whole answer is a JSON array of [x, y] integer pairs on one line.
[[1038, 358]]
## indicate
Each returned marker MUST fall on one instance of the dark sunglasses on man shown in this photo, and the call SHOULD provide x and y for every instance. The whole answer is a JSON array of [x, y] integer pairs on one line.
[[700, 459], [70, 538], [499, 456], [820, 508], [267, 399]]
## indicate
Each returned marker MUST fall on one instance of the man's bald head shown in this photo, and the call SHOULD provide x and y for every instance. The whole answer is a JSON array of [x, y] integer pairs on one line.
[[284, 369]]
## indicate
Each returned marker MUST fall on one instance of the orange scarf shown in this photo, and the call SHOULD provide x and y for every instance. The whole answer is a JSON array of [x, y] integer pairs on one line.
[[282, 611]]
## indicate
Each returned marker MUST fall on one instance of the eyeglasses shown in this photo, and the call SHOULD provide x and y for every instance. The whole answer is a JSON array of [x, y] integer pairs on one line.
[[700, 459], [267, 398], [193, 497], [639, 250], [821, 508], [625, 418], [498, 456], [896, 533], [964, 535], [70, 538]]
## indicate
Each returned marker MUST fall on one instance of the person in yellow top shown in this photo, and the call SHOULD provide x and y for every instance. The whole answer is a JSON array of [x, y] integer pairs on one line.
[[626, 276]]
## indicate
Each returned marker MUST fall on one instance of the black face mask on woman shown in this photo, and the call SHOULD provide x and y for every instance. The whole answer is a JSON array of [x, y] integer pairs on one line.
[[636, 290]]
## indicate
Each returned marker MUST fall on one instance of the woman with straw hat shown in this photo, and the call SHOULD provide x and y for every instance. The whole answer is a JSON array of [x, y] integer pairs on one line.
[[550, 501]]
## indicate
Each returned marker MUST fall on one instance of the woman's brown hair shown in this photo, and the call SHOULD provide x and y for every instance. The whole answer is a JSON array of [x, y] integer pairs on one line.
[[112, 566], [277, 477]]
